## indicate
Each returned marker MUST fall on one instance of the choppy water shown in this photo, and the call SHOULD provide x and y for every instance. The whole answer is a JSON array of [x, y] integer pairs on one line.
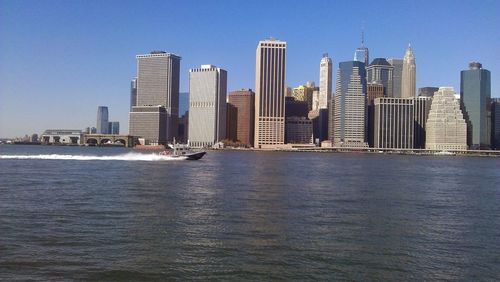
[[71, 213]]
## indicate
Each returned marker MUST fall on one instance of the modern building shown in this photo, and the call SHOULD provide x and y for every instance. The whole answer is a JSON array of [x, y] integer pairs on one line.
[[148, 123], [421, 108], [361, 54], [374, 91], [299, 130], [397, 74], [408, 75], [102, 120], [114, 127], [495, 123], [427, 91], [207, 105], [393, 123], [62, 136], [305, 93], [380, 71], [349, 122], [244, 101], [325, 81], [475, 95], [294, 108], [133, 93], [446, 128], [319, 119], [270, 92], [157, 84], [182, 135], [231, 122]]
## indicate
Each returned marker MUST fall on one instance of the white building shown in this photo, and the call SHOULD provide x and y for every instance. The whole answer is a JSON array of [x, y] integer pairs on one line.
[[325, 82], [446, 128], [408, 76], [207, 105]]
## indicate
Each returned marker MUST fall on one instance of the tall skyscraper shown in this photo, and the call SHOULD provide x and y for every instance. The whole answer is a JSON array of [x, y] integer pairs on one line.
[[102, 120], [148, 123], [408, 75], [422, 106], [325, 82], [244, 101], [114, 127], [380, 71], [397, 74], [495, 123], [374, 91], [350, 105], [133, 93], [475, 95], [158, 85], [394, 123], [445, 128], [361, 53], [207, 105], [270, 93]]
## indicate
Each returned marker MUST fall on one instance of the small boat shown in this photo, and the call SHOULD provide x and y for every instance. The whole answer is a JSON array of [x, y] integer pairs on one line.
[[182, 150]]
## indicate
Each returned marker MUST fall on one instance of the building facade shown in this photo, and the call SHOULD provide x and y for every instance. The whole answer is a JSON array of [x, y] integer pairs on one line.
[[475, 96], [102, 120], [325, 81], [421, 108], [380, 71], [349, 117], [394, 123], [374, 91], [62, 136], [231, 122], [244, 101], [133, 93], [495, 123], [148, 123], [397, 75], [409, 74], [446, 128], [427, 91], [270, 93], [114, 127], [361, 54], [207, 105], [299, 130]]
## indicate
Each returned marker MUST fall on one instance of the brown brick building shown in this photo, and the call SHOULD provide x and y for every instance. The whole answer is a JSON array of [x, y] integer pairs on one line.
[[244, 101]]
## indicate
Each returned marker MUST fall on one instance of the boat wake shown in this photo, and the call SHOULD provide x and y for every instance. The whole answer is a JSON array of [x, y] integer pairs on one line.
[[123, 157]]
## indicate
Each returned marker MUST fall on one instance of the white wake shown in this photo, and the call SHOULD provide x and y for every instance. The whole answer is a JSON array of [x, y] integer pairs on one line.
[[124, 157]]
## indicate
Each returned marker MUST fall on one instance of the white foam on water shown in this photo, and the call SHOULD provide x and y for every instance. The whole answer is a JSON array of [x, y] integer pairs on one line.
[[124, 157]]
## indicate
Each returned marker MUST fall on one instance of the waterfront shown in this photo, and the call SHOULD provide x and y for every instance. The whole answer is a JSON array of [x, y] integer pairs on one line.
[[240, 215]]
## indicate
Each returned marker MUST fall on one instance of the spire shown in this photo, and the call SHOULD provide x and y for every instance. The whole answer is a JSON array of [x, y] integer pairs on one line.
[[363, 38]]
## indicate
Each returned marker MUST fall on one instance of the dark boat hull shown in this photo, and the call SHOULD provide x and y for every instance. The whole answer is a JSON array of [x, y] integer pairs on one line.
[[195, 156]]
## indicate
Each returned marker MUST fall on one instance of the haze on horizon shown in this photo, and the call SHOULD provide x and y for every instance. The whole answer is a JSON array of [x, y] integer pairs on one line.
[[60, 60]]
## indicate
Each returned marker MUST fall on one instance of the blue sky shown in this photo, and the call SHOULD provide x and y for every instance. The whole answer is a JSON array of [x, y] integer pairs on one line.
[[59, 60]]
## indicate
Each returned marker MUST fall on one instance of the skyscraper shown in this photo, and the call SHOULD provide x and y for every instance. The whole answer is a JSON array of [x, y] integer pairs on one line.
[[445, 128], [374, 91], [158, 85], [475, 95], [422, 106], [102, 120], [114, 127], [270, 93], [325, 81], [408, 75], [380, 71], [350, 105], [244, 101], [207, 105], [397, 74], [495, 123], [394, 123], [133, 93], [361, 53]]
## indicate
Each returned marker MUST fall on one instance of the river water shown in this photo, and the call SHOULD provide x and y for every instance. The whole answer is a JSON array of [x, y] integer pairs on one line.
[[70, 213]]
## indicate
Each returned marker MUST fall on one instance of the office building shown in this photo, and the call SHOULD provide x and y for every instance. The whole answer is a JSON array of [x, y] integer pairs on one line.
[[380, 71], [158, 85], [270, 94], [421, 108], [244, 101], [446, 128], [299, 130], [294, 108], [427, 91], [495, 123], [305, 93], [361, 53], [207, 105], [393, 123], [408, 75], [397, 74], [148, 123], [319, 120], [325, 82], [102, 120], [114, 127], [350, 105], [374, 91], [182, 133], [475, 95], [133, 93], [231, 122]]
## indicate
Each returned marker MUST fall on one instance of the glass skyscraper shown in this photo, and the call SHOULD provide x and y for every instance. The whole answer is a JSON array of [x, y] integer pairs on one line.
[[102, 120]]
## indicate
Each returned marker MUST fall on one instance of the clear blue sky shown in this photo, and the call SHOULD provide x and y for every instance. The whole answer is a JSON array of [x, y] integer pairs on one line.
[[59, 60]]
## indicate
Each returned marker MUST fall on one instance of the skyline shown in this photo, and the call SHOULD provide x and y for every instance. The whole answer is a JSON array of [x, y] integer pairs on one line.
[[94, 62]]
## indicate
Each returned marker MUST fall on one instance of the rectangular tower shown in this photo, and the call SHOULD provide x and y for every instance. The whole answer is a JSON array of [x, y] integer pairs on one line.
[[397, 74], [270, 93], [244, 101], [394, 123], [102, 120]]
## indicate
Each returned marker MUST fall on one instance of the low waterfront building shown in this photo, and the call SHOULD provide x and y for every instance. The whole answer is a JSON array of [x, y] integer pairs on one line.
[[446, 128], [62, 136], [299, 130]]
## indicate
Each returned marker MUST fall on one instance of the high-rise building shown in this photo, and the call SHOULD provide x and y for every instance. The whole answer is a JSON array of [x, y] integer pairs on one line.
[[158, 85], [102, 120], [133, 93], [408, 75], [270, 94], [475, 95], [374, 91], [397, 74], [231, 122], [495, 123], [325, 82], [148, 123], [361, 53], [380, 71], [305, 93], [393, 123], [421, 108], [207, 105], [445, 128], [244, 101], [427, 91], [299, 130], [350, 105], [114, 127]]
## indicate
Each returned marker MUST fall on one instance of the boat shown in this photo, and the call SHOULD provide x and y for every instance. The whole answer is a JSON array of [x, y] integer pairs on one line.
[[182, 150]]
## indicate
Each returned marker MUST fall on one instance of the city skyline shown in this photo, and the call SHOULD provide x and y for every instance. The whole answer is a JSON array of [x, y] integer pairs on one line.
[[59, 85]]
